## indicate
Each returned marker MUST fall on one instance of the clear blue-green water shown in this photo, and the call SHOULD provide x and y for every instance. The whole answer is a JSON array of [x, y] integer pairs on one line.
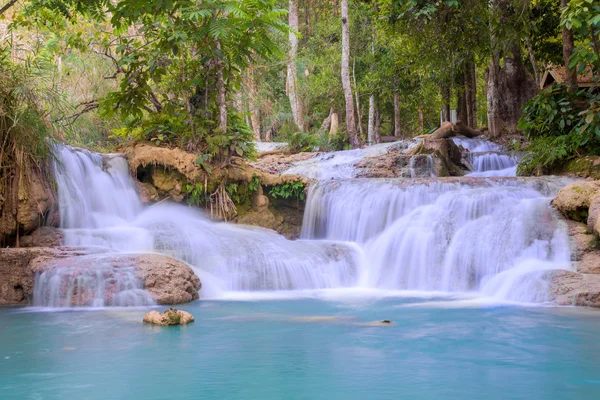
[[439, 349]]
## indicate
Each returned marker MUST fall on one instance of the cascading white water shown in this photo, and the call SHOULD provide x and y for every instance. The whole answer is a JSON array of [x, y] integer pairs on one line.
[[95, 284], [99, 207], [490, 236], [464, 235], [488, 158], [262, 147], [341, 164]]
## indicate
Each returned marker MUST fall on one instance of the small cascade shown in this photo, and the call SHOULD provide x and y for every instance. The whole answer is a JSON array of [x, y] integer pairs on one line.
[[488, 158], [93, 284], [421, 166], [262, 147], [341, 164]]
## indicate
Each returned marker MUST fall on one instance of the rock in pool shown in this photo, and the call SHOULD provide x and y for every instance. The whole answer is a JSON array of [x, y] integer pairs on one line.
[[169, 317]]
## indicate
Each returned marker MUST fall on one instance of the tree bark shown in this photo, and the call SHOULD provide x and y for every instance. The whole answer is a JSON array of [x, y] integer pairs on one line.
[[253, 105], [377, 123], [7, 6], [357, 98], [532, 60], [568, 45], [221, 91], [421, 121], [445, 90], [397, 127], [371, 122], [471, 94], [346, 83], [292, 69]]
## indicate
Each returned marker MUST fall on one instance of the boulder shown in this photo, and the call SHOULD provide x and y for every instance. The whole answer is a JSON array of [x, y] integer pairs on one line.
[[573, 201], [167, 280], [573, 288], [169, 317], [46, 236]]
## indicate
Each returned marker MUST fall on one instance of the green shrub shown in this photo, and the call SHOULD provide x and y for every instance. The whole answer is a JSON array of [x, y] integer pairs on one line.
[[561, 125], [288, 190]]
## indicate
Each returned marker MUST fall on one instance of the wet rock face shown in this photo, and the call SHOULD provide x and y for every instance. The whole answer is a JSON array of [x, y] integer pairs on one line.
[[165, 279]]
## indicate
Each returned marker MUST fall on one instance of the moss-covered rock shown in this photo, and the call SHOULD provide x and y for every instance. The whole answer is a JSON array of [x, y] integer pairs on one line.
[[169, 317], [585, 167], [573, 201]]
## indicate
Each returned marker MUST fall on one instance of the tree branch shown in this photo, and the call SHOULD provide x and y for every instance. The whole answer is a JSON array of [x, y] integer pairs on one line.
[[7, 6]]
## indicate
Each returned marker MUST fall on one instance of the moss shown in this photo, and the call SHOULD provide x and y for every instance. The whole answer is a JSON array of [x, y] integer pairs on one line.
[[580, 214], [586, 167], [173, 318]]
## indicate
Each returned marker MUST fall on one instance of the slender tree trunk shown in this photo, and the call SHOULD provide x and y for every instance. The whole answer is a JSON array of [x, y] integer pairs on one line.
[[357, 99], [445, 90], [346, 84], [371, 122], [568, 45], [471, 94], [377, 122], [397, 128], [253, 105], [221, 91], [421, 121], [292, 69], [461, 97], [532, 60]]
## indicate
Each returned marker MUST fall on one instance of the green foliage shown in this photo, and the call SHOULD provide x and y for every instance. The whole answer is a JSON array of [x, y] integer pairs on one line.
[[294, 190], [196, 194], [561, 125], [254, 183], [583, 18], [302, 141]]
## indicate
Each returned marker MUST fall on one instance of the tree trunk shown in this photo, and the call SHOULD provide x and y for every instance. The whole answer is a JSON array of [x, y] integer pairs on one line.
[[421, 121], [509, 88], [461, 99], [371, 122], [333, 129], [471, 94], [346, 84], [357, 98], [397, 128], [445, 90], [253, 104], [533, 62], [221, 91], [568, 45], [377, 123], [292, 69]]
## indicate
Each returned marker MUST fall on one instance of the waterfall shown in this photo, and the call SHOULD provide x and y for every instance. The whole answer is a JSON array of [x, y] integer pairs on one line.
[[99, 207], [481, 235], [491, 236], [488, 158]]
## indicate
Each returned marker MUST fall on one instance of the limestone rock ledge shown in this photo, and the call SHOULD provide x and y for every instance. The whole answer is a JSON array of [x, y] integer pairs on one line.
[[168, 280]]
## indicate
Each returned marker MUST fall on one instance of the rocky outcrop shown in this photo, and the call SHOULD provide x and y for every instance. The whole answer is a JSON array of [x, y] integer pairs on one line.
[[46, 236], [281, 215], [573, 288], [437, 157], [579, 203], [169, 317], [168, 280], [28, 210], [164, 173], [574, 200]]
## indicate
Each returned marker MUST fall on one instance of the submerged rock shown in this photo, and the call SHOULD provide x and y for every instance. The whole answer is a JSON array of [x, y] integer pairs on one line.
[[169, 317]]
